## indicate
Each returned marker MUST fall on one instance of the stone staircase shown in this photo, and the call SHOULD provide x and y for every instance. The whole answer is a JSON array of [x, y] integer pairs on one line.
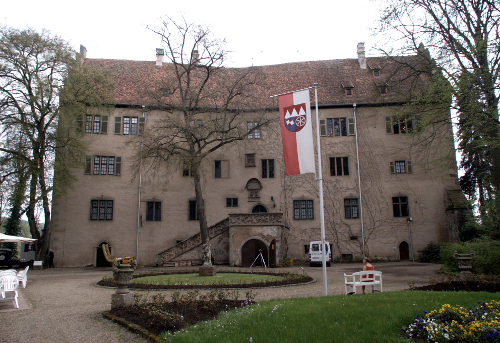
[[167, 257]]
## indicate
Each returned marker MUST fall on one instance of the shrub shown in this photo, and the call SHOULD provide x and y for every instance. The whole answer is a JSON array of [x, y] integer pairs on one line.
[[486, 251], [431, 253]]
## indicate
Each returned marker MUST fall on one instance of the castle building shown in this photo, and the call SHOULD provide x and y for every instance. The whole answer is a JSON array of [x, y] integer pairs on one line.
[[386, 179]]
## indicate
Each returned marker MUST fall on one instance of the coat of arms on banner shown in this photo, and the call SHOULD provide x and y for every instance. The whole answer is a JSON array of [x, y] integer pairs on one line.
[[295, 117]]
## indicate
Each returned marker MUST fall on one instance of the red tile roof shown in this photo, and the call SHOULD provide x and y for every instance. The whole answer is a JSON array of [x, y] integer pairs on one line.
[[137, 81]]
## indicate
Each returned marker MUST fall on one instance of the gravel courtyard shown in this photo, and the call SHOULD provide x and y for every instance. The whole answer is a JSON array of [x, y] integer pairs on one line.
[[64, 305]]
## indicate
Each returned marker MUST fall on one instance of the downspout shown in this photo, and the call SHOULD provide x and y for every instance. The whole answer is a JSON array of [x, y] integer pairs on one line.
[[139, 194], [359, 179]]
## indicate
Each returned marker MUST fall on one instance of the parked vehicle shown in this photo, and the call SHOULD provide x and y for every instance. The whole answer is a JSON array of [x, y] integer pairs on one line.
[[27, 257], [316, 253], [6, 259]]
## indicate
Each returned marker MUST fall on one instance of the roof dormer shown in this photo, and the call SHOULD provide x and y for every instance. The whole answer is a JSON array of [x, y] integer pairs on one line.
[[348, 87], [375, 68]]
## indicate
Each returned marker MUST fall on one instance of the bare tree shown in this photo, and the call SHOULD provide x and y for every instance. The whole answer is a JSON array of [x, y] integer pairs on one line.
[[204, 106]]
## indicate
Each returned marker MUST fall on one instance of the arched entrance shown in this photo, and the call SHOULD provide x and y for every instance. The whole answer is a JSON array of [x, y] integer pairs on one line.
[[404, 251], [100, 260], [259, 208], [250, 250]]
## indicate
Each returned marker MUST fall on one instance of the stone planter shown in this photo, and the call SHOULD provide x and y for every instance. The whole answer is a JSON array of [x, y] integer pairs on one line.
[[122, 273], [464, 263]]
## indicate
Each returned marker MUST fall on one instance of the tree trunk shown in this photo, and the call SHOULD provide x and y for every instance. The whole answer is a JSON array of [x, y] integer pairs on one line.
[[202, 219]]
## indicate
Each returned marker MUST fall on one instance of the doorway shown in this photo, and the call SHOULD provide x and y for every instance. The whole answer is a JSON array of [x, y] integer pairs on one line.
[[404, 251], [100, 260], [259, 209], [250, 251]]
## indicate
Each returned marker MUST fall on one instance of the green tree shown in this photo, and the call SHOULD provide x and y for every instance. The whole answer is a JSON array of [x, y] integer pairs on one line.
[[206, 106], [462, 37], [33, 70]]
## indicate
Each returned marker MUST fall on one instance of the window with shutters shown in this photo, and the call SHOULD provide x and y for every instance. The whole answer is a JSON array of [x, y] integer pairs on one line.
[[101, 209], [153, 211], [129, 125], [103, 165], [303, 209], [337, 127], [221, 169], [396, 125], [96, 124], [339, 166], [400, 167]]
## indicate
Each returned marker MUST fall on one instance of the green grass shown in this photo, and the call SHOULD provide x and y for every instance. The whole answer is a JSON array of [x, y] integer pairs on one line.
[[355, 318], [217, 279]]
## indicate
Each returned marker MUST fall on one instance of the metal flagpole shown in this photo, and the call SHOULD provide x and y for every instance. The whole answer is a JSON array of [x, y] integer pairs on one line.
[[320, 185]]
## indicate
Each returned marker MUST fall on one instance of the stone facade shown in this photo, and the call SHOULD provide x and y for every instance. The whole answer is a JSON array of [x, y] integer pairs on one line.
[[370, 172]]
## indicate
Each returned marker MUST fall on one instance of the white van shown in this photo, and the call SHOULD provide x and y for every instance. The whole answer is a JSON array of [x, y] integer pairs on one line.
[[316, 253]]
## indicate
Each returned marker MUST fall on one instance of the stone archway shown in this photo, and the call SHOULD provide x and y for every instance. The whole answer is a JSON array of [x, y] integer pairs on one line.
[[404, 251], [250, 250], [100, 260]]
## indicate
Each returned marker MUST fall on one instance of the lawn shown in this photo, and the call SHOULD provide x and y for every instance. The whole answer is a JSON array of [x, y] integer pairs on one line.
[[217, 279], [375, 317]]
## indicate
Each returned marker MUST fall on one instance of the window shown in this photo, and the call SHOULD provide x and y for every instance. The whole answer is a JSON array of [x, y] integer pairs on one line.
[[383, 89], [126, 125], [339, 166], [221, 169], [153, 211], [249, 160], [196, 123], [129, 125], [400, 167], [101, 210], [306, 249], [351, 208], [348, 91], [399, 125], [400, 206], [133, 125], [268, 169], [231, 202], [103, 165], [96, 124], [193, 213], [255, 134], [337, 127], [376, 72], [187, 170], [303, 209]]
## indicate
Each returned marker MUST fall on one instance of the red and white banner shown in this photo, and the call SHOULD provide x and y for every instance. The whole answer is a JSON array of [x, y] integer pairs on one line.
[[296, 132]]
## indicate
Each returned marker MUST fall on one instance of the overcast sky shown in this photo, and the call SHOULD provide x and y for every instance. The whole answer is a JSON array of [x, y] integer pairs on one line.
[[257, 32]]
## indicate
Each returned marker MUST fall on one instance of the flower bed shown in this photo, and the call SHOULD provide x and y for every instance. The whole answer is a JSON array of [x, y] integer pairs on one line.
[[480, 323]]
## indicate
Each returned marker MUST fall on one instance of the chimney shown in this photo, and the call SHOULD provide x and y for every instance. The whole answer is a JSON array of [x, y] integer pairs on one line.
[[361, 55], [159, 57], [195, 57], [83, 51]]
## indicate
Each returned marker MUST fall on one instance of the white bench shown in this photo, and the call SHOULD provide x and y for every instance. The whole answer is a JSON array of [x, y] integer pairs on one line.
[[38, 264], [364, 278]]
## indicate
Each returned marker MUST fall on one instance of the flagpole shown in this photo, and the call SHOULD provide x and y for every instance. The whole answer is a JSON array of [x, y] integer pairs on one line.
[[320, 185]]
